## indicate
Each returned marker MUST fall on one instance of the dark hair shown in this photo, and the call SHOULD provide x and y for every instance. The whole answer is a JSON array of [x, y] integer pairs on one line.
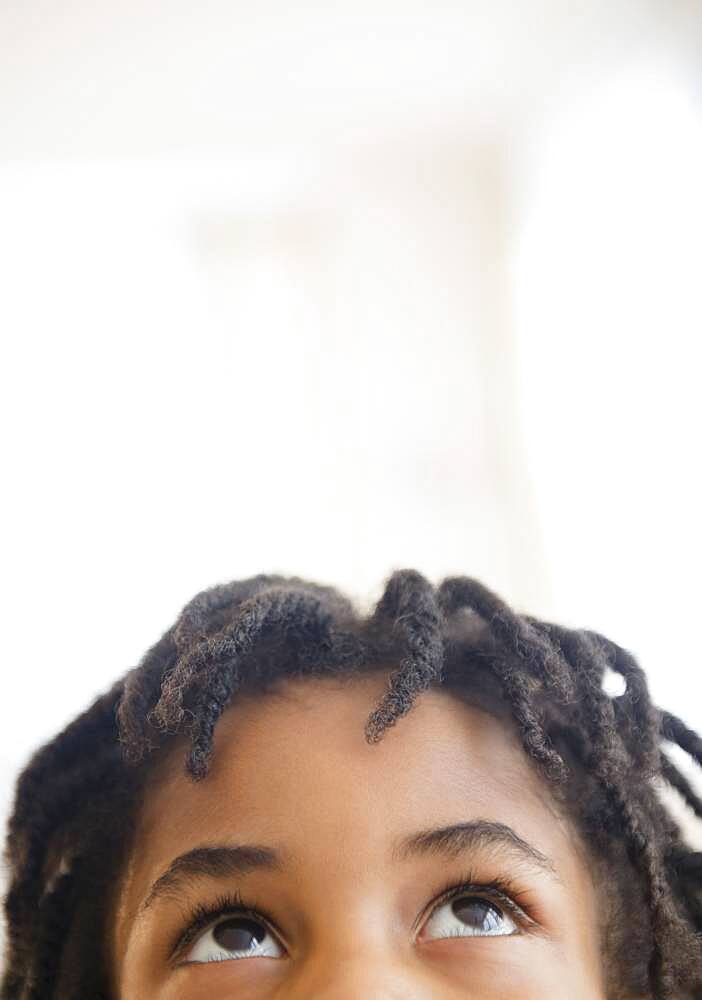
[[65, 850]]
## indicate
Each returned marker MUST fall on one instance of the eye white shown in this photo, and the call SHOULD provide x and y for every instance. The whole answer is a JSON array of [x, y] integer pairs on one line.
[[234, 937], [469, 916]]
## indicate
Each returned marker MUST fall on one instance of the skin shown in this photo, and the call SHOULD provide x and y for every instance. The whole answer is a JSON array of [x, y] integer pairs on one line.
[[352, 919]]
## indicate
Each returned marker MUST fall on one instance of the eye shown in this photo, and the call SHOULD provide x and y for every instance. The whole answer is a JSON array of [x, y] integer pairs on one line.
[[238, 935], [469, 915]]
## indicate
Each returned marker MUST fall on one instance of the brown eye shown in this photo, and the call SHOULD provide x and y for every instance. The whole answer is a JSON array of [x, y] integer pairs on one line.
[[479, 914], [235, 937], [239, 933], [470, 916]]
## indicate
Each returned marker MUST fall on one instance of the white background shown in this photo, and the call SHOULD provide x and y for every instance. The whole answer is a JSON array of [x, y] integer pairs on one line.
[[334, 288]]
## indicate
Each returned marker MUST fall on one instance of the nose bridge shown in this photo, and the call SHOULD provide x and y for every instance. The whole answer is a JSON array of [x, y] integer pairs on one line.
[[357, 946], [363, 976], [358, 952], [360, 955]]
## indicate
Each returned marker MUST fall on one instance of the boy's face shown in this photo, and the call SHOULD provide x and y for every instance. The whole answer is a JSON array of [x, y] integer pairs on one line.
[[353, 901]]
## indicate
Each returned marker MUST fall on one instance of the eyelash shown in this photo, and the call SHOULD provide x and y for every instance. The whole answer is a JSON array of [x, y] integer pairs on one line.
[[500, 891], [202, 916]]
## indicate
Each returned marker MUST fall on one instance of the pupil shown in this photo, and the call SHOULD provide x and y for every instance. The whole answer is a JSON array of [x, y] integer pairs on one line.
[[475, 913], [238, 934]]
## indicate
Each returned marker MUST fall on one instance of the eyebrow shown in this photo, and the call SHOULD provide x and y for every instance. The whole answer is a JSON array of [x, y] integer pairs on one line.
[[222, 861], [219, 861], [450, 841]]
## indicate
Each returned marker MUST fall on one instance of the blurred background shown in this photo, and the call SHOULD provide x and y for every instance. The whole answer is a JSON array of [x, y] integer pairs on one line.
[[331, 289]]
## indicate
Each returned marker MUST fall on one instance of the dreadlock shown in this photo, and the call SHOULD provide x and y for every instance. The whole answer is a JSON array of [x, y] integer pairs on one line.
[[604, 756]]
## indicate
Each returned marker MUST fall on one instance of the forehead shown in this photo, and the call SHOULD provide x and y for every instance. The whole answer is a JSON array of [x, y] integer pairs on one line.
[[292, 768]]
